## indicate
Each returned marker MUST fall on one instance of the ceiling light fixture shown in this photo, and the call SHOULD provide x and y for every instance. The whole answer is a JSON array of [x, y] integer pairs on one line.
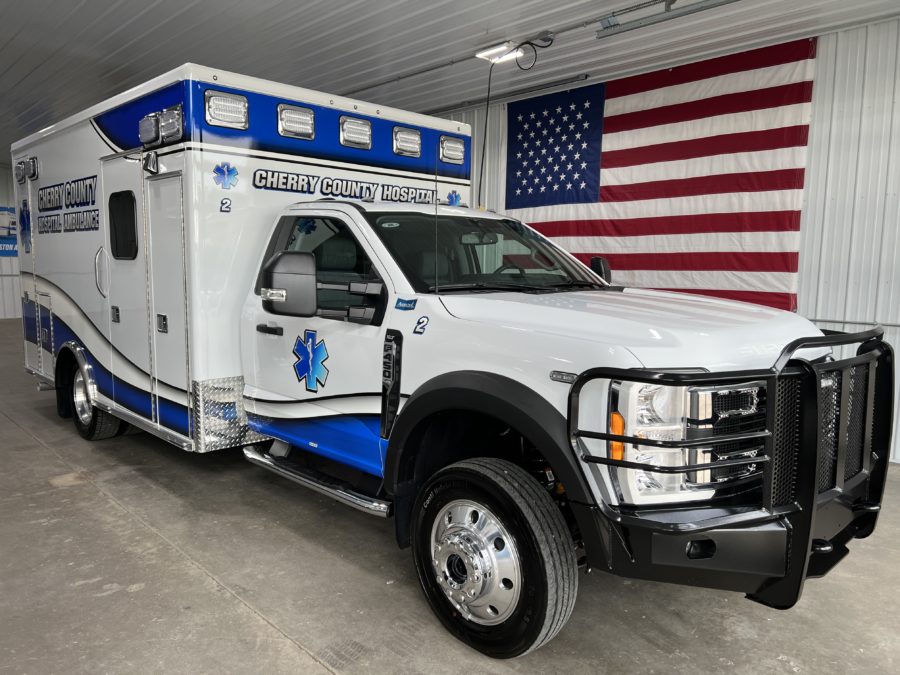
[[505, 51]]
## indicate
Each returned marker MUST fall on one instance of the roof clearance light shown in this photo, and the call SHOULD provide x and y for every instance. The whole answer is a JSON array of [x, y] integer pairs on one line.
[[296, 122], [170, 128], [356, 133], [453, 150], [407, 142], [20, 172], [148, 130], [226, 110]]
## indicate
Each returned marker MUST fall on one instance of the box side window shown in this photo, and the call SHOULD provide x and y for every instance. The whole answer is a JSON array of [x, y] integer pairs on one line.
[[123, 225]]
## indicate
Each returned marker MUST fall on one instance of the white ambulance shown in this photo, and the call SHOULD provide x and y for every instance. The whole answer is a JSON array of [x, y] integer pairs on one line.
[[227, 262]]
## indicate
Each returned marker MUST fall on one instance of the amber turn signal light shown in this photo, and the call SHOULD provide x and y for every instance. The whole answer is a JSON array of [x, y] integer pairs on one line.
[[617, 427]]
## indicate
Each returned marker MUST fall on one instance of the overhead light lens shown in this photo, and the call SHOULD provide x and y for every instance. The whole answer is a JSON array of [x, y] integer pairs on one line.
[[226, 110], [20, 172], [148, 130], [170, 127], [499, 53], [356, 133], [31, 168], [407, 142], [296, 122], [453, 150]]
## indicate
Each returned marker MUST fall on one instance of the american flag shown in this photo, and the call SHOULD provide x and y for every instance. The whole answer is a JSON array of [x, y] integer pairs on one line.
[[686, 179]]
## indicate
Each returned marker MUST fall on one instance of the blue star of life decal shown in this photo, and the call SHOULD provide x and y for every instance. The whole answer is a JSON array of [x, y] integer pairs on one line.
[[454, 198], [25, 226], [311, 356], [225, 175]]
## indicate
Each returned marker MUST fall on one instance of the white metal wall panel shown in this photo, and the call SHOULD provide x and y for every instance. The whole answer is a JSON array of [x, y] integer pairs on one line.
[[850, 231], [10, 304]]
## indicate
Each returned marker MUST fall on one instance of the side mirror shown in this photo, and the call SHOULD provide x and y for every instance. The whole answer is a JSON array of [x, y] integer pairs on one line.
[[600, 267], [289, 284]]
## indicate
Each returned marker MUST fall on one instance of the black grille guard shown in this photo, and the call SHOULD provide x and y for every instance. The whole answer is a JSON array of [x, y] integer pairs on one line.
[[859, 495]]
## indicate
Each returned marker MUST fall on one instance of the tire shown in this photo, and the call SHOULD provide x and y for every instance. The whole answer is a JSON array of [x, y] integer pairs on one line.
[[494, 556], [91, 422]]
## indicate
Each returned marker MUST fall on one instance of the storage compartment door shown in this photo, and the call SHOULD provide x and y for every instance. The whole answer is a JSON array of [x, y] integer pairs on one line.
[[169, 359], [127, 305], [30, 313]]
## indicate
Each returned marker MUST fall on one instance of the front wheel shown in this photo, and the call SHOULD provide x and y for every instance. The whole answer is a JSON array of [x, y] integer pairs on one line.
[[91, 422], [494, 556]]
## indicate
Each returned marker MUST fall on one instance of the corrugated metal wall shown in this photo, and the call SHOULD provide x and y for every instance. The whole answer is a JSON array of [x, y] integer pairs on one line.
[[850, 233], [10, 304]]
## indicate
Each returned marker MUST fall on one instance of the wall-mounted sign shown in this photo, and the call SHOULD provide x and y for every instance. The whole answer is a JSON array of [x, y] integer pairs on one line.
[[9, 247]]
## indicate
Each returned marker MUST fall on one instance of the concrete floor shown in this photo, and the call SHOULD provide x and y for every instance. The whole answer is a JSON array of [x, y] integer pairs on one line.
[[130, 556]]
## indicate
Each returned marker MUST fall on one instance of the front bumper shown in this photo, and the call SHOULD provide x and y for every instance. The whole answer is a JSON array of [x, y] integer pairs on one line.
[[822, 485]]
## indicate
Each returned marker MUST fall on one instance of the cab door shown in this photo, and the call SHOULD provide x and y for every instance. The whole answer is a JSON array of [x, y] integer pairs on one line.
[[317, 380]]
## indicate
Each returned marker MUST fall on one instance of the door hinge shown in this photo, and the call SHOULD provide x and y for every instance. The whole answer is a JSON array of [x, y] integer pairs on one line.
[[114, 314]]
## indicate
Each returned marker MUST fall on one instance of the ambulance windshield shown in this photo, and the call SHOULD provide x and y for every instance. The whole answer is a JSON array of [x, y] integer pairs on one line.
[[469, 254]]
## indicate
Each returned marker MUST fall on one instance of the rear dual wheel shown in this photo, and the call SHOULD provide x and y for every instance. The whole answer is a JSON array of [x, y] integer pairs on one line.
[[494, 556], [91, 422]]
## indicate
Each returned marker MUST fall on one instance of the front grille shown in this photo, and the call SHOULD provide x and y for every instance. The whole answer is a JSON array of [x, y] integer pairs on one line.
[[829, 418], [786, 442], [856, 420], [834, 418], [737, 411], [850, 431]]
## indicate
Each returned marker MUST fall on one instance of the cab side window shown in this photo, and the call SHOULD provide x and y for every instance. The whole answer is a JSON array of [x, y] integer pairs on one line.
[[340, 260]]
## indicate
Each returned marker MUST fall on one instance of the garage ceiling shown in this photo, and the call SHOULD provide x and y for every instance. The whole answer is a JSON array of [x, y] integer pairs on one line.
[[59, 58]]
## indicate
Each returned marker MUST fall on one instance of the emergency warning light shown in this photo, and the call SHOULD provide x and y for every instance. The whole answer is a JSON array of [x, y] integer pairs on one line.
[[356, 133], [296, 122], [226, 110], [453, 150], [407, 142]]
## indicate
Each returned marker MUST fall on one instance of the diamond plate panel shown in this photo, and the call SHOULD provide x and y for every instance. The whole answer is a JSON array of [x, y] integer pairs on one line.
[[219, 418]]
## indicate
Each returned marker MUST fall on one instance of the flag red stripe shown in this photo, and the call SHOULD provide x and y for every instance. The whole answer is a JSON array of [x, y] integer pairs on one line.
[[723, 144], [768, 221], [737, 261], [786, 301], [742, 101], [723, 65], [751, 181]]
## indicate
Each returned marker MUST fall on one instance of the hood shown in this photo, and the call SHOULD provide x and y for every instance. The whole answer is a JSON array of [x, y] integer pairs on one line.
[[661, 329]]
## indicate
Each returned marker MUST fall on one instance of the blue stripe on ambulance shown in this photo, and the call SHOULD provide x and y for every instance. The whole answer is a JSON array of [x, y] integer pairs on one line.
[[329, 436]]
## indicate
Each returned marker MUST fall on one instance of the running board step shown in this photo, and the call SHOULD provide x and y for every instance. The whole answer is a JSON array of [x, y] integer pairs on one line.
[[319, 482]]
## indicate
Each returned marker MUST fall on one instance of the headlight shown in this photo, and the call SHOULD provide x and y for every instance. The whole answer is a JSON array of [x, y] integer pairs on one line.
[[671, 414]]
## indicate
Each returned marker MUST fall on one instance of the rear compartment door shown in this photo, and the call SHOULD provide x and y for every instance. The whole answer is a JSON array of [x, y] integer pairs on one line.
[[168, 286], [30, 313]]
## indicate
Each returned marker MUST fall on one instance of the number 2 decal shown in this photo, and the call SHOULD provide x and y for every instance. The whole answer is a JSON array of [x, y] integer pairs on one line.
[[225, 205], [421, 324]]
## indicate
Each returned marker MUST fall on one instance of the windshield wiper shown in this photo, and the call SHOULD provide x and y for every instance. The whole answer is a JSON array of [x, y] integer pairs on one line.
[[573, 283], [487, 286]]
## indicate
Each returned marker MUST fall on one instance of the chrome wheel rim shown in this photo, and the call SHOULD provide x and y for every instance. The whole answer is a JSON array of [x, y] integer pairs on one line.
[[476, 563], [80, 397]]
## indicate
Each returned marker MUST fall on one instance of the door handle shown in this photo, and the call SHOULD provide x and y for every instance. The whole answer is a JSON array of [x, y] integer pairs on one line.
[[97, 272], [269, 330]]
